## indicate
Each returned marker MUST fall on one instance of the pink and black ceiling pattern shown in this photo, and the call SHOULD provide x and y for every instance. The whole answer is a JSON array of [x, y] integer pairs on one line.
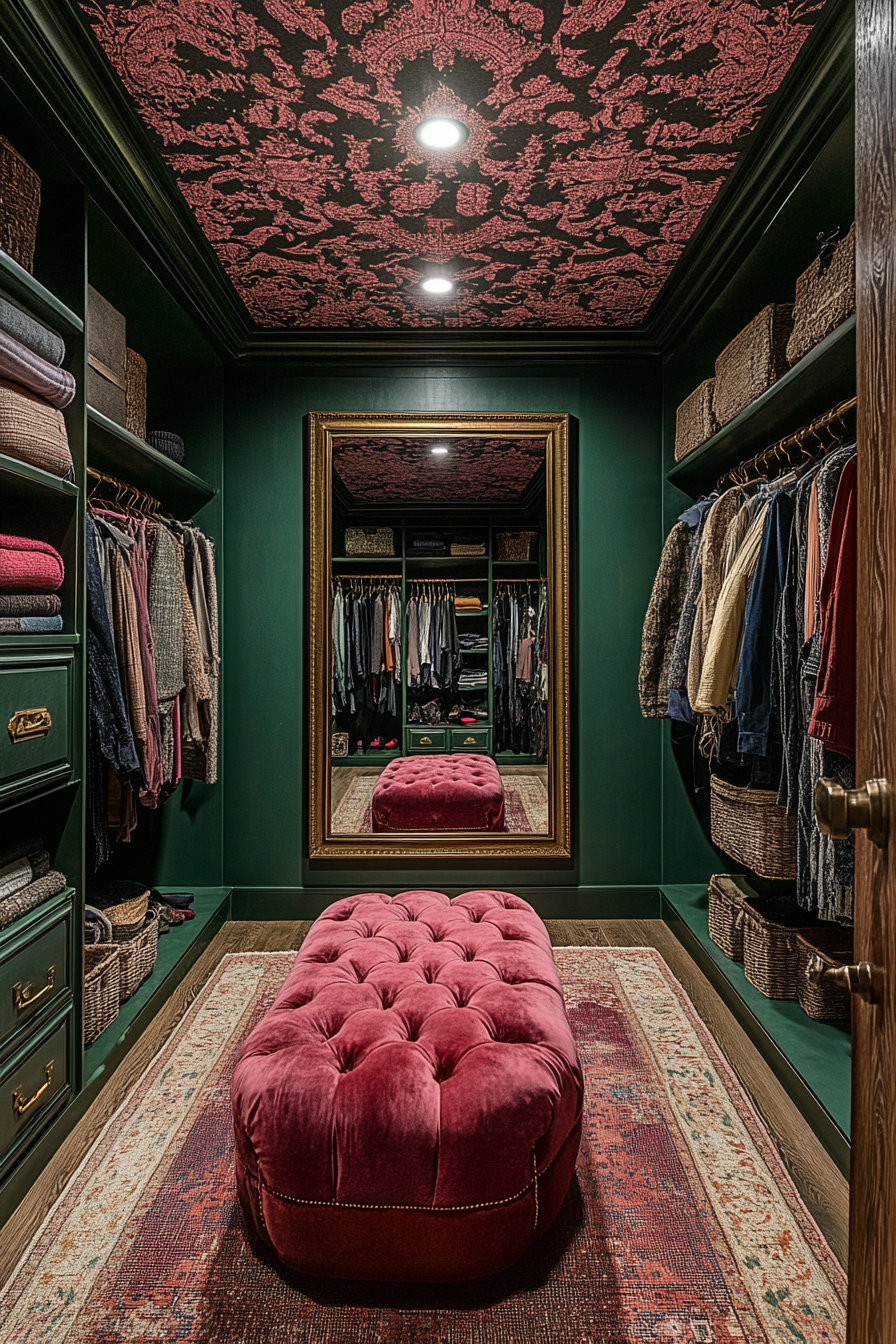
[[599, 133], [405, 469]]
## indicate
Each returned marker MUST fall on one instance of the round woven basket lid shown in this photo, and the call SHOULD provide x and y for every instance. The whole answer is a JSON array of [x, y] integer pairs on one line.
[[122, 902]]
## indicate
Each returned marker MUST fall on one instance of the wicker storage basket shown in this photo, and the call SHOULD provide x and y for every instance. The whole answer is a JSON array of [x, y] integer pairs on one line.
[[694, 420], [102, 985], [19, 206], [515, 545], [772, 925], [750, 363], [726, 913], [124, 904], [824, 298], [106, 358], [32, 431], [369, 541], [137, 955], [135, 393], [749, 825], [172, 445], [834, 945]]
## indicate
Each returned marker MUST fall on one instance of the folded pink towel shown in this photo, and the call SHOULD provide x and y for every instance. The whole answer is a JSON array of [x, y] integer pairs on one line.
[[29, 566], [23, 366]]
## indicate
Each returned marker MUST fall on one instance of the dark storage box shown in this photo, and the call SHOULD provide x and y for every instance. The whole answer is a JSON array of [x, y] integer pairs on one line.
[[694, 420], [19, 206], [135, 394], [106, 358], [752, 362], [824, 298]]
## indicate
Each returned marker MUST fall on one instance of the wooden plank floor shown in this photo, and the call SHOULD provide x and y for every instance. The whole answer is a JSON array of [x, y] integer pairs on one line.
[[820, 1184]]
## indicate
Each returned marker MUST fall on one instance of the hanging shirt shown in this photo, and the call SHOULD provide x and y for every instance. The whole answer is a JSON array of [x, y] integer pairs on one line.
[[717, 683], [833, 719]]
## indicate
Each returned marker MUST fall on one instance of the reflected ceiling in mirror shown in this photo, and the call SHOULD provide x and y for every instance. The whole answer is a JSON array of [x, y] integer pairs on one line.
[[423, 470]]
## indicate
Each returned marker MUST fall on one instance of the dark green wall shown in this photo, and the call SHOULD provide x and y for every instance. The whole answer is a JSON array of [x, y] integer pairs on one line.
[[617, 520]]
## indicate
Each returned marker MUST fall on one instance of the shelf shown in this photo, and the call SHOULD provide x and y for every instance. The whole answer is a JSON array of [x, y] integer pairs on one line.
[[452, 561], [822, 378], [38, 641], [178, 947], [28, 480], [367, 757], [112, 449], [812, 1060], [30, 293], [516, 564], [366, 559]]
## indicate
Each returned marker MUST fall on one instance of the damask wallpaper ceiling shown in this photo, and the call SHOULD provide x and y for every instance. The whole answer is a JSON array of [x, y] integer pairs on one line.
[[489, 471], [599, 132]]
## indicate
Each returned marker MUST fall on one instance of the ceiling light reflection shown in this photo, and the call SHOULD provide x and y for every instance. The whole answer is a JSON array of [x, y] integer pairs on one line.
[[440, 133]]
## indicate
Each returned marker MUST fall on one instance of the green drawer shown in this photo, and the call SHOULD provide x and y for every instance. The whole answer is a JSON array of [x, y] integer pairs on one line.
[[31, 1084], [427, 739], [35, 721], [472, 739], [34, 968]]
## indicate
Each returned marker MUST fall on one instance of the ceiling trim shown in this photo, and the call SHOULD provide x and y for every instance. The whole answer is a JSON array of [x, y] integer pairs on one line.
[[54, 64]]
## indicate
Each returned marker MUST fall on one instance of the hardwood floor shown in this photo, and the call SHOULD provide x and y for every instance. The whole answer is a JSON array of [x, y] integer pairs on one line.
[[817, 1179]]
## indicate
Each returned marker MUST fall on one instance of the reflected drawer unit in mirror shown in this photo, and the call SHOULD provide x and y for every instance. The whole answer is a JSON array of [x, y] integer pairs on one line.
[[450, 641]]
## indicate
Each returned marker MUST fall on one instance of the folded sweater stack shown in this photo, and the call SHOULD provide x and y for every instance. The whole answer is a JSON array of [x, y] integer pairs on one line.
[[26, 879], [33, 391], [31, 572]]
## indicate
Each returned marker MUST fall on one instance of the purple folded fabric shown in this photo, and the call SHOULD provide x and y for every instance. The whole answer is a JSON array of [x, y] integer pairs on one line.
[[23, 366]]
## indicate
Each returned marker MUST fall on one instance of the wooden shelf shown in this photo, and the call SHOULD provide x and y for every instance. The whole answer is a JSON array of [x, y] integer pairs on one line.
[[822, 378], [38, 641], [30, 293], [28, 480], [112, 449]]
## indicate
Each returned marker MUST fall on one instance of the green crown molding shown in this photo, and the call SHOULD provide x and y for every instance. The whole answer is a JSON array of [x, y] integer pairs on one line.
[[58, 70]]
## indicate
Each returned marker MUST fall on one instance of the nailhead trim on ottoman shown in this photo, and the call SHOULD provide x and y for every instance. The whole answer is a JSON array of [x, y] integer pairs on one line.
[[462, 792], [410, 1107]]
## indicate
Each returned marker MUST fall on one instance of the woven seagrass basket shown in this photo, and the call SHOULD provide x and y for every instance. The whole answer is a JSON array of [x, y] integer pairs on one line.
[[19, 206], [824, 298], [752, 362], [124, 904], [135, 394], [172, 445], [515, 545], [749, 825], [137, 955], [694, 420], [726, 914], [772, 925], [834, 945], [32, 431], [369, 541], [102, 983]]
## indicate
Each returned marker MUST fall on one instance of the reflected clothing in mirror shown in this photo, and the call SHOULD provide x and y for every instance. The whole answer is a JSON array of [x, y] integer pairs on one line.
[[520, 663], [366, 651]]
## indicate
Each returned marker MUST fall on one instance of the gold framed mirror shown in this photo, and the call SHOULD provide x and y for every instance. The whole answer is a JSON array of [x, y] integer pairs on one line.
[[438, 591]]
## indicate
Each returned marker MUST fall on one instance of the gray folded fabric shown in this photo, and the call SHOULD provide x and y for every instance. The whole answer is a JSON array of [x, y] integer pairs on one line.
[[30, 625], [23, 366], [22, 849], [13, 907], [30, 604], [43, 341], [14, 876]]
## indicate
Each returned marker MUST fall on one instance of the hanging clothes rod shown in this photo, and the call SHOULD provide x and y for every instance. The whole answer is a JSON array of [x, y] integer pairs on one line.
[[374, 578], [739, 473], [140, 496]]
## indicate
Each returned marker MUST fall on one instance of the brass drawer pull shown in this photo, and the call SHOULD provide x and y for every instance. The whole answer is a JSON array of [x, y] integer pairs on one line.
[[469, 741], [425, 741], [28, 723], [21, 1103], [26, 998]]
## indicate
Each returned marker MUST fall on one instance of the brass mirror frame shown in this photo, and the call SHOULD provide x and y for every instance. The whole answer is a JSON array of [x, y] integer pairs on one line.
[[552, 844]]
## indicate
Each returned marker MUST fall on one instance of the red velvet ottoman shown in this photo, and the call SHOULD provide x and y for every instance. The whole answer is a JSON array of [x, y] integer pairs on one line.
[[439, 793], [410, 1107]]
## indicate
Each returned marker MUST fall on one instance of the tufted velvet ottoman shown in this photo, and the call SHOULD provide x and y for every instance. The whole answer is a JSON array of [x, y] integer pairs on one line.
[[439, 793], [410, 1106]]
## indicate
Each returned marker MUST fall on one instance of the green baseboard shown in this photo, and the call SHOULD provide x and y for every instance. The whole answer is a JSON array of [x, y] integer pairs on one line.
[[551, 902]]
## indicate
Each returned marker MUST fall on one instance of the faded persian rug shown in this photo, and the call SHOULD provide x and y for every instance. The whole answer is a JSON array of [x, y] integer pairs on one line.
[[525, 805], [682, 1225]]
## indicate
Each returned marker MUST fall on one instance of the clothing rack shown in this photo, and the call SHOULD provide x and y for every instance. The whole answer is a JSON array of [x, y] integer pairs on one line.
[[140, 498], [740, 474], [373, 578]]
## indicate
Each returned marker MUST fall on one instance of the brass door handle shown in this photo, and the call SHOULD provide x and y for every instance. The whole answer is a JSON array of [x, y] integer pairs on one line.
[[469, 741], [21, 1103], [860, 979], [840, 810], [426, 741], [26, 998], [28, 723]]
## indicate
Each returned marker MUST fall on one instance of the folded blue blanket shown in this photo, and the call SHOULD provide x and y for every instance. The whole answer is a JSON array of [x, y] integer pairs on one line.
[[30, 625]]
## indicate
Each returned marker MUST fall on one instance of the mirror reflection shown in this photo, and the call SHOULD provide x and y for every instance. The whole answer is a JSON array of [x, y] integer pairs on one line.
[[440, 635]]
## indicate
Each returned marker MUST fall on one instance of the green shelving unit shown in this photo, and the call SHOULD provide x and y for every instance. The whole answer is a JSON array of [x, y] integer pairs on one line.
[[115, 451]]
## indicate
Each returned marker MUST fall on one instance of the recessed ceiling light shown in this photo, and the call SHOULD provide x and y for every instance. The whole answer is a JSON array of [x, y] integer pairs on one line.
[[437, 284], [440, 133], [439, 452]]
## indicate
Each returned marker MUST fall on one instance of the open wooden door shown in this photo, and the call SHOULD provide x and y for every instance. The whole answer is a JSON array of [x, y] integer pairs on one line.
[[872, 1297]]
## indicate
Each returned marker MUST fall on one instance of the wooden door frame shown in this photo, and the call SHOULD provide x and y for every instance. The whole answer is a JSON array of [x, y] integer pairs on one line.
[[872, 1304]]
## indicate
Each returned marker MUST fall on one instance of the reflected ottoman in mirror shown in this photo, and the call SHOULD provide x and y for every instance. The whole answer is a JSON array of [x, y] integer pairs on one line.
[[448, 647]]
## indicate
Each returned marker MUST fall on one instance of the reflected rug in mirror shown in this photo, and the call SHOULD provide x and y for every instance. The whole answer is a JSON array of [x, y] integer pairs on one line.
[[525, 805], [682, 1225]]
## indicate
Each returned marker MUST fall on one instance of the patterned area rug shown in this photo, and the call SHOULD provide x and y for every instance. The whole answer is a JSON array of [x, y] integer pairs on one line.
[[525, 805], [681, 1227]]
